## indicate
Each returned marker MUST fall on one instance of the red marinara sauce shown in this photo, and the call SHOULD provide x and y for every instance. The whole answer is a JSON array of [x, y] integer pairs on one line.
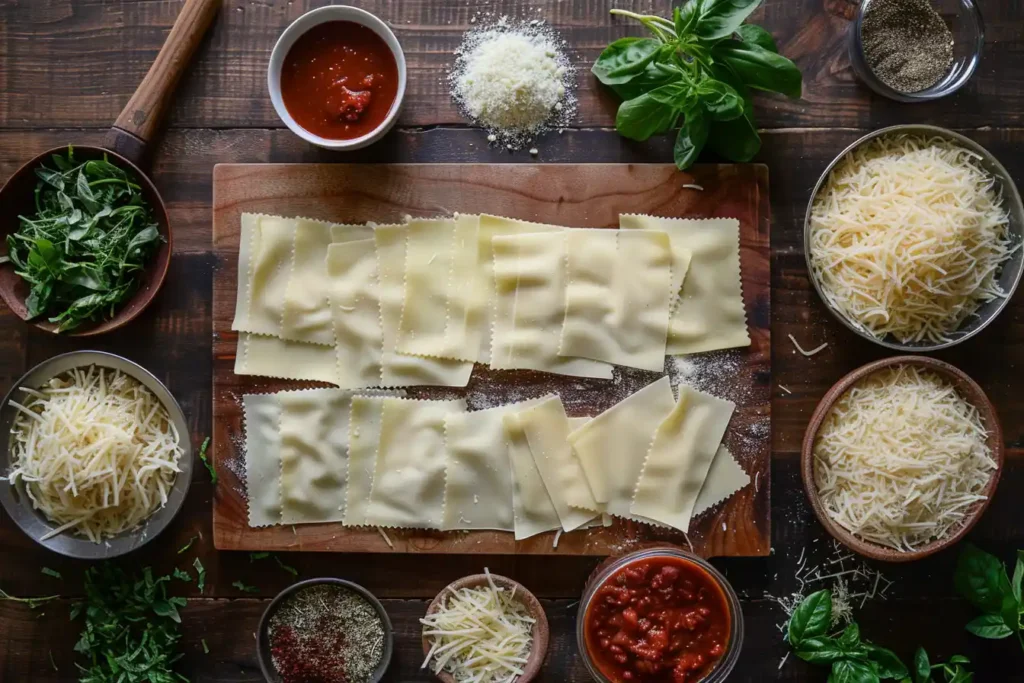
[[339, 80], [658, 620]]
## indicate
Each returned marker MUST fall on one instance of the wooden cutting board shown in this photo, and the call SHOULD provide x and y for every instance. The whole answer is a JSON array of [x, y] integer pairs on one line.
[[589, 195]]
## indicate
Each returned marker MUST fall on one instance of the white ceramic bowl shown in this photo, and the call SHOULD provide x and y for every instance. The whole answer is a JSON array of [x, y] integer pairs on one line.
[[299, 27]]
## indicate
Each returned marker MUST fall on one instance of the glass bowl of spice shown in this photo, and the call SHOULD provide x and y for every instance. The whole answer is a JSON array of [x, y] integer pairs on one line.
[[659, 615], [325, 631], [916, 50]]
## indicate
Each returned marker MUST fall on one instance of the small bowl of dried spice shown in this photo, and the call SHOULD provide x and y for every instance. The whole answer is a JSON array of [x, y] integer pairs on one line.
[[916, 50], [325, 631]]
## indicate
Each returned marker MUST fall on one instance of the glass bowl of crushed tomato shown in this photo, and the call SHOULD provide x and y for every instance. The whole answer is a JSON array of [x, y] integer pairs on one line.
[[660, 615], [337, 77]]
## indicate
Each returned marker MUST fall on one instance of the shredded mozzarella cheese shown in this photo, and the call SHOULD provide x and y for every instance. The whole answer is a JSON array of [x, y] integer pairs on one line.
[[908, 236], [479, 635], [96, 451], [901, 458]]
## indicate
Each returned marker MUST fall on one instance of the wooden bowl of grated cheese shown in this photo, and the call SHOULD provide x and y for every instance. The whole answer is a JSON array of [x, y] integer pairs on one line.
[[508, 609], [902, 457]]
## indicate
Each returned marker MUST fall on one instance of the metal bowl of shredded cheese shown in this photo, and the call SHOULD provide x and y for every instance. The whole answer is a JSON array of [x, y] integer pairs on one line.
[[97, 458], [901, 457], [913, 236]]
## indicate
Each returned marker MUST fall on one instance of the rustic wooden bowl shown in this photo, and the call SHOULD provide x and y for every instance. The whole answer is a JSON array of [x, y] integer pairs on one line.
[[17, 198], [969, 390], [541, 630]]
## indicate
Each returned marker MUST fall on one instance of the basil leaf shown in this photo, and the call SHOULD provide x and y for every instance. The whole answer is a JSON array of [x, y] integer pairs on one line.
[[811, 618], [1010, 612], [755, 35], [676, 94], [821, 650], [989, 626], [961, 675], [959, 659], [759, 68], [720, 18], [736, 140], [922, 667], [850, 671], [644, 116], [1018, 578], [686, 17], [654, 75], [691, 139], [981, 578], [889, 665], [625, 59], [720, 100]]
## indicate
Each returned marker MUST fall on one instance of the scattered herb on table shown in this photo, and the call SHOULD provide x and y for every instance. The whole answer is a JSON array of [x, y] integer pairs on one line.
[[187, 545], [953, 671], [982, 579], [83, 249], [288, 568], [851, 658], [245, 588], [31, 603], [182, 575], [700, 65], [209, 465], [206, 648], [51, 572], [258, 556], [200, 575], [131, 629]]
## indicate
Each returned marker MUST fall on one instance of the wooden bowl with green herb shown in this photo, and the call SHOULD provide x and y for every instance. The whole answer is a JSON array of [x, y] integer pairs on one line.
[[84, 241]]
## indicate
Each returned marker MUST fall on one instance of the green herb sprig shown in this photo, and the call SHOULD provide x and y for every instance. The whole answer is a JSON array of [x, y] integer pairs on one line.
[[700, 66], [83, 249], [982, 579], [206, 462], [854, 660], [131, 629]]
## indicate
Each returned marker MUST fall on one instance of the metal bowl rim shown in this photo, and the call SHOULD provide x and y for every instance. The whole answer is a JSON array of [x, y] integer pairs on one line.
[[1010, 195], [83, 548]]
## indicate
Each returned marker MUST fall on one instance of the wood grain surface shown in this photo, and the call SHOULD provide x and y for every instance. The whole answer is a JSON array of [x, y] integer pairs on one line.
[[584, 195], [67, 68]]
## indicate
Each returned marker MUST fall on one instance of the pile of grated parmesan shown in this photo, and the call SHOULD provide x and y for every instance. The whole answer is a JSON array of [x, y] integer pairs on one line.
[[96, 451], [908, 236], [515, 80], [479, 635], [901, 458]]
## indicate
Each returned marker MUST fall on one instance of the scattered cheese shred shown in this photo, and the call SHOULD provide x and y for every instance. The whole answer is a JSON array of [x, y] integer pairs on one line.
[[479, 635], [901, 458], [810, 353], [96, 451], [908, 237]]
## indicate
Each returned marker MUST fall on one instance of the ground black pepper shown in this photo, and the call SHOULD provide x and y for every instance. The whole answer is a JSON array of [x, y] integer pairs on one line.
[[326, 634], [906, 44]]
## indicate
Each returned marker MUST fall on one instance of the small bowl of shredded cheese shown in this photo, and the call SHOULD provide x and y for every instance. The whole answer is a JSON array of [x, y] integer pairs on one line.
[[913, 237], [485, 628], [901, 457], [97, 459]]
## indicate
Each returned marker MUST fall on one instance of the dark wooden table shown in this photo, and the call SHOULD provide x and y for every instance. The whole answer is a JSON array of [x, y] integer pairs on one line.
[[67, 67]]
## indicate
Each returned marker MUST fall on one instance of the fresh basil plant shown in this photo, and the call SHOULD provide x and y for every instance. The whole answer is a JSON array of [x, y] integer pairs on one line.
[[698, 68]]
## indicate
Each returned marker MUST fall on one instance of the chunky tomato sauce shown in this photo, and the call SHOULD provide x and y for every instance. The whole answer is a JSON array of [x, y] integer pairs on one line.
[[339, 80], [658, 620]]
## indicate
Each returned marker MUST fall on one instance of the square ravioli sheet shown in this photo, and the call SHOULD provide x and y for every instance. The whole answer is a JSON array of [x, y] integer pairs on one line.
[[529, 306], [265, 356], [399, 369], [354, 297], [442, 312], [709, 314], [544, 428], [264, 266], [262, 422], [478, 488], [306, 315], [314, 455], [489, 228], [363, 436], [409, 470], [618, 296], [680, 456], [725, 478], [612, 447]]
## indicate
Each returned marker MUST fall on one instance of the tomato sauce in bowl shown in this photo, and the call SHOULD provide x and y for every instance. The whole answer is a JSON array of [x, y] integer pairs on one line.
[[339, 80], [659, 616]]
